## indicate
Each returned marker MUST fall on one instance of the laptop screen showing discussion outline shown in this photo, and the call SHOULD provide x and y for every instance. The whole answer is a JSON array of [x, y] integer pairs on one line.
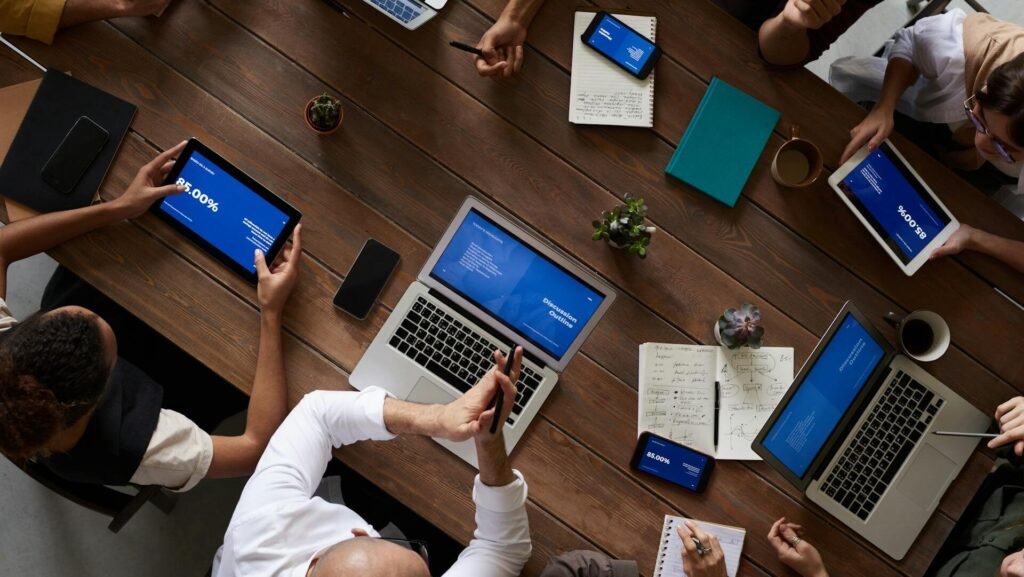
[[812, 413], [223, 211], [529, 293], [895, 204]]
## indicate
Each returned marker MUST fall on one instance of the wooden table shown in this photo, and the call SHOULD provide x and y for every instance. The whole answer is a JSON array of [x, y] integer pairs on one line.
[[421, 132]]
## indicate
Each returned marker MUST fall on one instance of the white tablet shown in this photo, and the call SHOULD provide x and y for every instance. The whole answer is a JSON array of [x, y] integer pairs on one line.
[[895, 205]]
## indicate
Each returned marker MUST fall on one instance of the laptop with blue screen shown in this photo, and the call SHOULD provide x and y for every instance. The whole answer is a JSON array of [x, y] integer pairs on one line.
[[409, 13], [854, 433], [488, 284]]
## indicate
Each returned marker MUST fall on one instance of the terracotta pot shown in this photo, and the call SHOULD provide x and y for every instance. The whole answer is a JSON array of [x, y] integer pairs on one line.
[[305, 114]]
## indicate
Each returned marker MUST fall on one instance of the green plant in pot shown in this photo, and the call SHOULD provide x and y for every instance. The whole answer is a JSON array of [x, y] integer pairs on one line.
[[740, 327], [324, 114], [625, 226]]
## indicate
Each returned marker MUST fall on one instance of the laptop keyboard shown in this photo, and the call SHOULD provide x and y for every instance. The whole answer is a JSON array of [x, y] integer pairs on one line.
[[404, 11], [460, 355], [884, 441]]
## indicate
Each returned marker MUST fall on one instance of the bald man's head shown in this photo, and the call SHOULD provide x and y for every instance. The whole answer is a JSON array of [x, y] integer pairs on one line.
[[368, 557]]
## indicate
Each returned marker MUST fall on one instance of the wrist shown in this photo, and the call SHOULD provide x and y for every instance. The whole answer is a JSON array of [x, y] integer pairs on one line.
[[515, 13], [271, 317]]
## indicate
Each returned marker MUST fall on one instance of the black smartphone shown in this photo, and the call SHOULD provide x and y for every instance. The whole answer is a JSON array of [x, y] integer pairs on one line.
[[627, 48], [366, 279], [76, 153], [672, 462]]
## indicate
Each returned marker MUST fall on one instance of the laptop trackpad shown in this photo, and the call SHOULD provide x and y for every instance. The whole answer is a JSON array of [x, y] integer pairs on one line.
[[427, 393], [926, 475]]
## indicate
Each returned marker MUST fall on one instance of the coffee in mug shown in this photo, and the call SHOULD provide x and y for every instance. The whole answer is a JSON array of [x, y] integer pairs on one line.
[[922, 335], [798, 162]]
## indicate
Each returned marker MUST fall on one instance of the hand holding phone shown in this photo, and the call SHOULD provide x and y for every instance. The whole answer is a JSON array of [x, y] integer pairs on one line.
[[366, 279], [672, 462], [627, 48]]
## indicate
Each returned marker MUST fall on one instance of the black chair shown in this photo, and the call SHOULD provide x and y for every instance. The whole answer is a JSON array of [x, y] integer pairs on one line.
[[120, 507]]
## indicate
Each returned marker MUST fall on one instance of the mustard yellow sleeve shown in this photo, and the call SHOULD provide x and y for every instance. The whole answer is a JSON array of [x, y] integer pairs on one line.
[[37, 19]]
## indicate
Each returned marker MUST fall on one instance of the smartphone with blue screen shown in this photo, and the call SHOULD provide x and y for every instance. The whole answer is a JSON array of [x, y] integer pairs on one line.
[[627, 48], [672, 462]]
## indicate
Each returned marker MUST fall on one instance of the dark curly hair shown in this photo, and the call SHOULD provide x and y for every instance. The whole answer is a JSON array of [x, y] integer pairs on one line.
[[1005, 94], [53, 370]]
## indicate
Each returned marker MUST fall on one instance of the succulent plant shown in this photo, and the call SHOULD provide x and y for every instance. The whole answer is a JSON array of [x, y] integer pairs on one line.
[[739, 327], [625, 226], [325, 112]]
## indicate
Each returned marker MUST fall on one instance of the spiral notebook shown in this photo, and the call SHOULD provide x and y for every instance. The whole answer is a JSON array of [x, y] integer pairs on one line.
[[601, 92], [670, 553]]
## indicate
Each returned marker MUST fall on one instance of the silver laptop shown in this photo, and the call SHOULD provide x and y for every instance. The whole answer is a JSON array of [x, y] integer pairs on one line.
[[854, 433], [409, 13], [488, 284]]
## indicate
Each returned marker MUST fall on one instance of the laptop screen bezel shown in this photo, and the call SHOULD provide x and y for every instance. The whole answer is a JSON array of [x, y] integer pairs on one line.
[[490, 320], [842, 429]]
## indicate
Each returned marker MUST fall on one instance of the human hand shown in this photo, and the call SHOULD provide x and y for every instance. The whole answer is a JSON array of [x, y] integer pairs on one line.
[[876, 127], [276, 282], [1010, 416], [470, 415], [147, 187], [793, 551], [711, 563], [502, 46], [811, 14], [956, 243]]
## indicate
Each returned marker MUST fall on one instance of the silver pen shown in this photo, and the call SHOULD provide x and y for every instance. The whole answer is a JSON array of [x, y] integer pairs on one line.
[[961, 434]]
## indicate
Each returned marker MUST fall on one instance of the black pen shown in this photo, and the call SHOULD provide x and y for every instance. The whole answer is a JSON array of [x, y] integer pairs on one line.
[[466, 48], [500, 397]]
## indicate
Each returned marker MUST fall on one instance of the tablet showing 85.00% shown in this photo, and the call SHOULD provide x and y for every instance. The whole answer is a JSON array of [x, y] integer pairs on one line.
[[199, 195]]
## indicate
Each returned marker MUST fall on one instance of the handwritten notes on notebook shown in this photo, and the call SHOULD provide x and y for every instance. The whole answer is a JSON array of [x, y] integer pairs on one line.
[[602, 93], [677, 394], [670, 552]]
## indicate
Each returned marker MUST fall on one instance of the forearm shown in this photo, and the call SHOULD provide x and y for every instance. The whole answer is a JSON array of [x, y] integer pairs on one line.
[[268, 401], [37, 234], [522, 11], [82, 11], [900, 74], [404, 418], [782, 42], [492, 458], [1009, 251]]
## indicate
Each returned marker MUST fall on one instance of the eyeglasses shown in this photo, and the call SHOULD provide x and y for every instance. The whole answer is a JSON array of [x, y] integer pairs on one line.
[[416, 546], [979, 125]]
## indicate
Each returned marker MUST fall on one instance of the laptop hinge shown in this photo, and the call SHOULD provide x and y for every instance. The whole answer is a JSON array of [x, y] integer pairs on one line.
[[496, 336]]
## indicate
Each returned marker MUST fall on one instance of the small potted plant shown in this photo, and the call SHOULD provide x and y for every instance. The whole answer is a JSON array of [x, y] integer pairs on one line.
[[740, 327], [324, 114], [625, 226]]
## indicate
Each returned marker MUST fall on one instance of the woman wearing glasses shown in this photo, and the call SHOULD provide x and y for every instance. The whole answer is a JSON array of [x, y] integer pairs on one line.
[[962, 78]]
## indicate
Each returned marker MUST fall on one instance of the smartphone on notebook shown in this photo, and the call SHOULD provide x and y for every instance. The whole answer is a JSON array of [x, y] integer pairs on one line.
[[627, 48], [672, 462]]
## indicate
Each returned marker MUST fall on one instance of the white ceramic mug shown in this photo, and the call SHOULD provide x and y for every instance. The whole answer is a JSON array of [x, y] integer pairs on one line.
[[940, 336]]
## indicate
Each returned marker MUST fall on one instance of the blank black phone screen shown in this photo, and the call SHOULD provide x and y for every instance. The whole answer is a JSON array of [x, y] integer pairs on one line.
[[75, 155], [366, 279]]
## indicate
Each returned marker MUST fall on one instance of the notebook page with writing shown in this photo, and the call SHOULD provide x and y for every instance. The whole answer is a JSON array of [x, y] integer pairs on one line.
[[602, 93], [669, 561], [752, 382], [677, 394]]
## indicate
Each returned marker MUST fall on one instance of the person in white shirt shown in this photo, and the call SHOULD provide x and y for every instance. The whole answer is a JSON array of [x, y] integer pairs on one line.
[[68, 400], [280, 529], [964, 73]]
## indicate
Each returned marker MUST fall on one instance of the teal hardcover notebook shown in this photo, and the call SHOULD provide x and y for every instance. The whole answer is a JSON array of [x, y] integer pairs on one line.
[[723, 142]]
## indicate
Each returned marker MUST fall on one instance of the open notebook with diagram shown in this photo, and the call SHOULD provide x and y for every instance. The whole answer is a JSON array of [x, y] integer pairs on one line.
[[711, 399]]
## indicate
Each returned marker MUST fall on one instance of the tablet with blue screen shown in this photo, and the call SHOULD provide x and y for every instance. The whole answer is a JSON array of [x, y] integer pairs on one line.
[[895, 205], [225, 211]]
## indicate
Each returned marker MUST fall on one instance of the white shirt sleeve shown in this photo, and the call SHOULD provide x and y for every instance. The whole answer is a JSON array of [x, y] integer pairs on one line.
[[501, 543], [296, 457], [178, 455], [932, 44], [7, 320]]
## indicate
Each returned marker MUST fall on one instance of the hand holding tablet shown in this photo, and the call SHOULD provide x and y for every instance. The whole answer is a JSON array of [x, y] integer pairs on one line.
[[896, 206], [225, 211]]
